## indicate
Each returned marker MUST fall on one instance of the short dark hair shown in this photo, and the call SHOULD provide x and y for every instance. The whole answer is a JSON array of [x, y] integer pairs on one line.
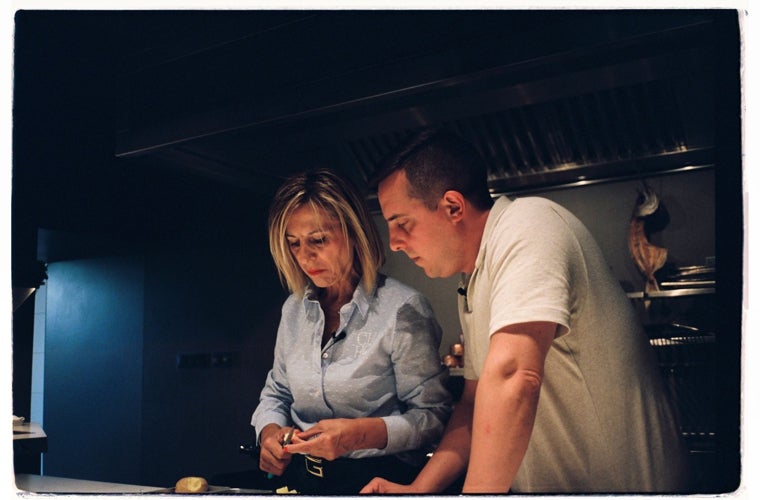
[[435, 161]]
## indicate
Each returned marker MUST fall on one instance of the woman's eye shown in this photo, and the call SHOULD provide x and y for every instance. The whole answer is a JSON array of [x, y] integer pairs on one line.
[[319, 241], [293, 244]]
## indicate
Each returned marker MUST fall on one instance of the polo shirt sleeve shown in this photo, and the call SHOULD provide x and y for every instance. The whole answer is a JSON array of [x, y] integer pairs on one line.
[[530, 264]]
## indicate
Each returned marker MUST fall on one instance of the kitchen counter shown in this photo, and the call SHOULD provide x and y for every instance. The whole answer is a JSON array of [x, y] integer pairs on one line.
[[29, 441], [49, 484], [28, 431]]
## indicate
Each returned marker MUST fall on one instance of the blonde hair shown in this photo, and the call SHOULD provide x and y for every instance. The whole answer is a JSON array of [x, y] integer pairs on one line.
[[323, 189]]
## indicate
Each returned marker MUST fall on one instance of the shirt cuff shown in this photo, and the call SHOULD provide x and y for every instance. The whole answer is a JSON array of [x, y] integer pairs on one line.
[[401, 435]]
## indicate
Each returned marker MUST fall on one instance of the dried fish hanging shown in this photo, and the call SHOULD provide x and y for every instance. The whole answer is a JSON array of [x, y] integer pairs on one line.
[[648, 257]]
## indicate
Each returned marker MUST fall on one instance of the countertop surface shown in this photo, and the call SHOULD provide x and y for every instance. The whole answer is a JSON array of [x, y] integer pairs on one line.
[[29, 430], [49, 484]]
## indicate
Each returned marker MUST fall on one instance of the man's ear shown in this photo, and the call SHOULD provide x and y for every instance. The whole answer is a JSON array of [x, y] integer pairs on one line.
[[453, 205]]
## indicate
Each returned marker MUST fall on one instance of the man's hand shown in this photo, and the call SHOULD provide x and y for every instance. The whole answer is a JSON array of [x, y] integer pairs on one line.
[[380, 485], [273, 459]]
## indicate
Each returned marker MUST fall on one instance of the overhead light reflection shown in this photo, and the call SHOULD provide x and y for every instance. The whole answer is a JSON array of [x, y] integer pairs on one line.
[[20, 295]]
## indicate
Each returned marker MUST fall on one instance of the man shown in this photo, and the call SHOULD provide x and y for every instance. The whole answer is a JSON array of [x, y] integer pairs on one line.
[[562, 391]]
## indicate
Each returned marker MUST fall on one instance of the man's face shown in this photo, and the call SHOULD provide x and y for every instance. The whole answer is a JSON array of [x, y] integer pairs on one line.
[[426, 236]]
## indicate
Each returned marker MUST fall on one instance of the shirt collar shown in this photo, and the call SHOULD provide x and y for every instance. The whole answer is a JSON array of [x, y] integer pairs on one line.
[[360, 301], [499, 206]]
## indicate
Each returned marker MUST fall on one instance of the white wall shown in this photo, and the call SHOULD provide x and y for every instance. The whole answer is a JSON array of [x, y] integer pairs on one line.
[[606, 210]]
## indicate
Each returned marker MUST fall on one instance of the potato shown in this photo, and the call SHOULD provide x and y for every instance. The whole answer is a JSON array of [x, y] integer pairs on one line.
[[191, 484]]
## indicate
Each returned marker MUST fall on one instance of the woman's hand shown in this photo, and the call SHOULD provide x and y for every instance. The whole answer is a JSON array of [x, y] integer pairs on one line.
[[273, 459], [332, 438]]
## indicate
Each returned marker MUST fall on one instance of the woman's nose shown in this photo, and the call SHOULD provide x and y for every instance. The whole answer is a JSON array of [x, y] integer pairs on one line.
[[306, 254]]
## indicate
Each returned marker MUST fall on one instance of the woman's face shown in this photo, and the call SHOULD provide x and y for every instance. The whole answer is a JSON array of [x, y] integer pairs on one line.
[[318, 245]]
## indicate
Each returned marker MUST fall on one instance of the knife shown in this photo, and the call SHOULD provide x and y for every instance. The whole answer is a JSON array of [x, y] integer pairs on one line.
[[289, 436]]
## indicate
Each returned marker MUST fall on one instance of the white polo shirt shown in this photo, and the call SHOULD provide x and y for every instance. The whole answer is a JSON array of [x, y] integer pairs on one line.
[[604, 423]]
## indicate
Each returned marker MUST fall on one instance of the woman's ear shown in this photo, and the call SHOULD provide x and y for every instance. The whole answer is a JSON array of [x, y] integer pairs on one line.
[[453, 205]]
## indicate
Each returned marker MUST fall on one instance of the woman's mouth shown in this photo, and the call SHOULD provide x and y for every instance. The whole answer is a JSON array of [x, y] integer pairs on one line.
[[314, 272]]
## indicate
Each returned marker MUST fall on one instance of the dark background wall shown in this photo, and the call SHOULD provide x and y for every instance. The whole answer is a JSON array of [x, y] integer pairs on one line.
[[216, 299], [118, 407]]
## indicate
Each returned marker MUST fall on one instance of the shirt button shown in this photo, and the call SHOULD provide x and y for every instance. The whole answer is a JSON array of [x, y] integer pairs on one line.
[[324, 355]]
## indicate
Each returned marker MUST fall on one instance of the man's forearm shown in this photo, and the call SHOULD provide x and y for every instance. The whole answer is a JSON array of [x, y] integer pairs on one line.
[[506, 404], [503, 421], [450, 458]]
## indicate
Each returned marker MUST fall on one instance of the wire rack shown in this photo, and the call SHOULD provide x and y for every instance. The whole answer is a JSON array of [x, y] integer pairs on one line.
[[686, 356]]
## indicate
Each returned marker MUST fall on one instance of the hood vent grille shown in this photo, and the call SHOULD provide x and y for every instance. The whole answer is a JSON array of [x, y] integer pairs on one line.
[[633, 130]]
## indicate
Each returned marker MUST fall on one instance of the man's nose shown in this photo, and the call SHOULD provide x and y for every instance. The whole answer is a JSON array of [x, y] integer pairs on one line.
[[396, 243]]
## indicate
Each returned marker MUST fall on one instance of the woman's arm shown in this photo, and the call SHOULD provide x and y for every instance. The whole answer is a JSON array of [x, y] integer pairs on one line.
[[276, 398], [420, 379]]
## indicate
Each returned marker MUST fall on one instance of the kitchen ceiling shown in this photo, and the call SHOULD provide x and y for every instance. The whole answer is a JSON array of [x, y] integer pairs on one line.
[[548, 97], [144, 122]]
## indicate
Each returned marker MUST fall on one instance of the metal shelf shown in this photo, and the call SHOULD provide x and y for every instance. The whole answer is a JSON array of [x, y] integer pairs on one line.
[[676, 292]]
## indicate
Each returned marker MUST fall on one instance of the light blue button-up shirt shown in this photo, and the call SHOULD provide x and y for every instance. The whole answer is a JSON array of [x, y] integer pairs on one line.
[[383, 362]]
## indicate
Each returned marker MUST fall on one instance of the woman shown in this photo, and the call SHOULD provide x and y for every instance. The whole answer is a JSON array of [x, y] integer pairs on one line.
[[356, 367]]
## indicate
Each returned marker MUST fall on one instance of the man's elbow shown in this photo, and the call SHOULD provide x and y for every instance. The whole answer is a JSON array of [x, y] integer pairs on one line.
[[528, 382], [524, 384]]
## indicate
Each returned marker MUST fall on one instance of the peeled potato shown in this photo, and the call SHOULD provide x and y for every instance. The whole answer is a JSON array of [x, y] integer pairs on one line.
[[191, 484]]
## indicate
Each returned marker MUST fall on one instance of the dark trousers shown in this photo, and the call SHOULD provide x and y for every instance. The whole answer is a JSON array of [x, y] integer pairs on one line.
[[314, 476], [340, 477], [343, 476]]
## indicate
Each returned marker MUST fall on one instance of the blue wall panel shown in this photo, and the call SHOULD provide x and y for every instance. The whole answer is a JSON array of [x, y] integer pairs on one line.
[[93, 369]]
